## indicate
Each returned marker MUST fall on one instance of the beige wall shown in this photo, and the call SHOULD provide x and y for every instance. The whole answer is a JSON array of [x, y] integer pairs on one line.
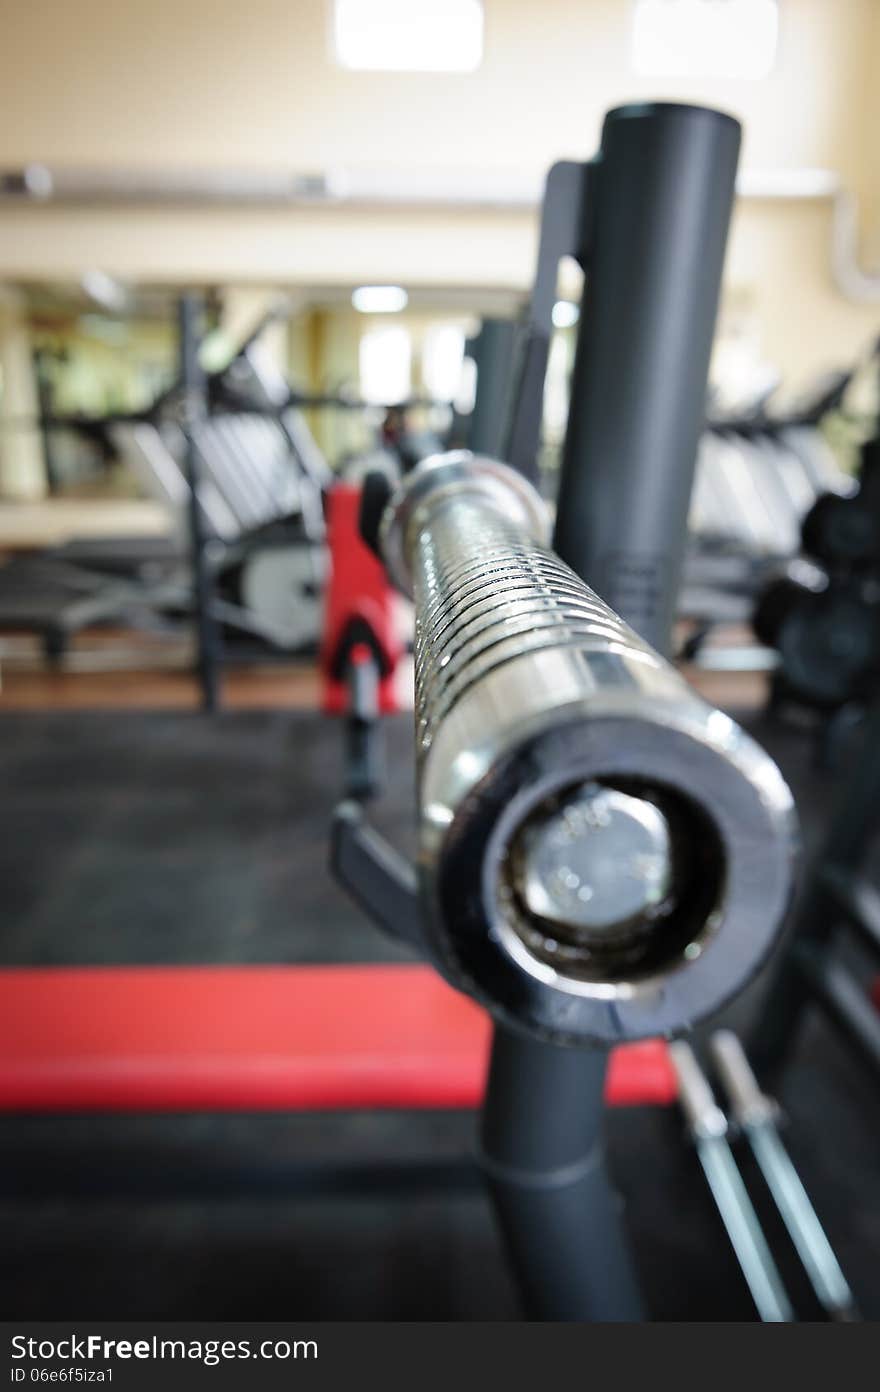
[[193, 83], [869, 178], [777, 267], [213, 81]]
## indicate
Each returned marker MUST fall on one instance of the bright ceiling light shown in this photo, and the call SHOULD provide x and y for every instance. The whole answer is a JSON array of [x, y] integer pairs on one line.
[[379, 299], [565, 314], [408, 35], [705, 38]]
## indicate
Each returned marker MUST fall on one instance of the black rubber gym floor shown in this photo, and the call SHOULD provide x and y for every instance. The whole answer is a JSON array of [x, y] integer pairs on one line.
[[160, 837]]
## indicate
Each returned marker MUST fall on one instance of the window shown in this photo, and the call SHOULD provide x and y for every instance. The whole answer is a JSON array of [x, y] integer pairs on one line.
[[385, 365], [408, 35], [466, 395], [700, 38], [442, 360]]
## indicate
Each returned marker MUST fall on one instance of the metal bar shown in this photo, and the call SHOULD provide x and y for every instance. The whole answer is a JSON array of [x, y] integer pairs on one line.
[[364, 764], [756, 1115], [376, 876], [544, 730], [744, 1230], [802, 1222], [708, 1128], [566, 195]]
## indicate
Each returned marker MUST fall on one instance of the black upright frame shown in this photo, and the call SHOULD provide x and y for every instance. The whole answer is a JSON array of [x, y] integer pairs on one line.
[[492, 351], [193, 408], [648, 221]]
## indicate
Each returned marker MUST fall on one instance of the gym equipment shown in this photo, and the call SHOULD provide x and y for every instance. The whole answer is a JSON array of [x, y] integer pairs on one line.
[[827, 635], [361, 646], [162, 1040], [767, 471], [669, 171], [756, 1116], [822, 613], [244, 1038], [843, 529], [638, 241], [707, 1126], [493, 353], [602, 856], [192, 397], [838, 907], [757, 477], [261, 527], [541, 1133]]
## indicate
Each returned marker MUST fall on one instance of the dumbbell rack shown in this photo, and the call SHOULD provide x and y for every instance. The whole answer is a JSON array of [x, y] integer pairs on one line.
[[837, 896]]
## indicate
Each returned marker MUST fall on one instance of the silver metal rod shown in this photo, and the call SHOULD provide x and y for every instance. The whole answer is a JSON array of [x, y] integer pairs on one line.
[[745, 1232], [603, 856], [756, 1114], [708, 1128]]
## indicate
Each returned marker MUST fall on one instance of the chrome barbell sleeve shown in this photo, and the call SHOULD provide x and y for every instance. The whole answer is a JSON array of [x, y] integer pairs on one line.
[[603, 856]]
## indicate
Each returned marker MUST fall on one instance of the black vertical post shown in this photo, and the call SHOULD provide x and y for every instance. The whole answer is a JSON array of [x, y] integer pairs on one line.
[[193, 410], [46, 403], [657, 231], [492, 350], [543, 1157], [657, 210]]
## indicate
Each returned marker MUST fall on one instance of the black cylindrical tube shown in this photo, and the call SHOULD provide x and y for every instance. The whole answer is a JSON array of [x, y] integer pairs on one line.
[[656, 239], [492, 351], [542, 1152]]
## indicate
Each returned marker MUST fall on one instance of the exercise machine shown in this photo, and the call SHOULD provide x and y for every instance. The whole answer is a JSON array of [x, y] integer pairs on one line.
[[260, 481]]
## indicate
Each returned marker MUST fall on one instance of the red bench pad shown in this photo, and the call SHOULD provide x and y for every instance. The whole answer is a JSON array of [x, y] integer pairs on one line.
[[234, 1038]]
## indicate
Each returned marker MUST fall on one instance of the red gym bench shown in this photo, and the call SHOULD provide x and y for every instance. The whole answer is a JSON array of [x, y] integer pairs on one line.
[[278, 1038]]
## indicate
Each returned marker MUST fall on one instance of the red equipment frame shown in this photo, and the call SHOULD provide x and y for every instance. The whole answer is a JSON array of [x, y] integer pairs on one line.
[[361, 608]]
